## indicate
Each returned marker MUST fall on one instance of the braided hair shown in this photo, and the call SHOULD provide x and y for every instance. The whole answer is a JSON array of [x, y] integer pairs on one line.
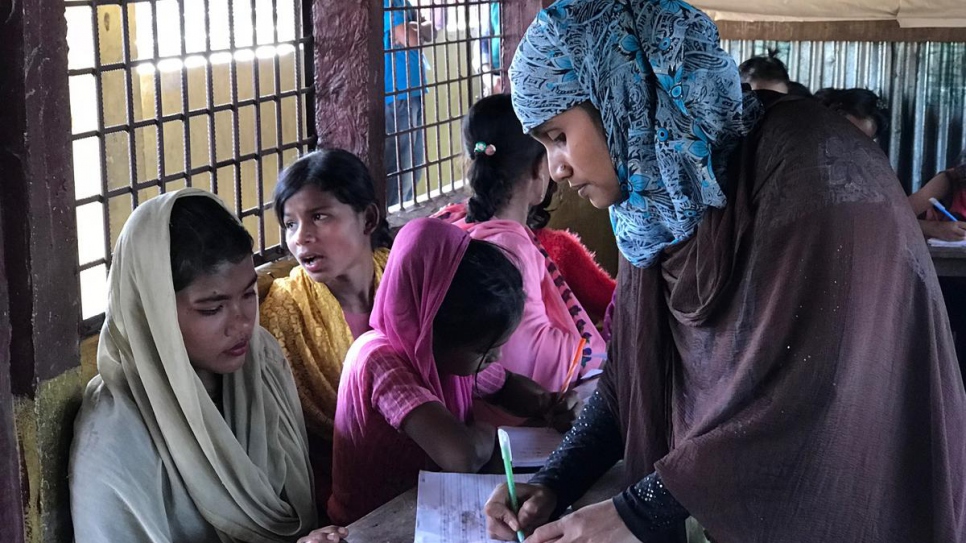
[[501, 155]]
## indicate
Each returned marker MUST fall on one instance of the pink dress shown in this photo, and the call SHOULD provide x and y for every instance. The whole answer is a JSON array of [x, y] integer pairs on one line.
[[390, 371], [542, 347]]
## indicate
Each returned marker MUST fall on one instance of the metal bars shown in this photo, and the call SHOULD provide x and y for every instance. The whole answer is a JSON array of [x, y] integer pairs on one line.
[[174, 93], [431, 80]]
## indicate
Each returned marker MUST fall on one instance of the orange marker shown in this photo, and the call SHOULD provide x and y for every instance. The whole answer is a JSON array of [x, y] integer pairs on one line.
[[573, 366]]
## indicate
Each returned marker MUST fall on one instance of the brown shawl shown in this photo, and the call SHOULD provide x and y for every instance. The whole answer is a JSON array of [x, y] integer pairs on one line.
[[789, 371]]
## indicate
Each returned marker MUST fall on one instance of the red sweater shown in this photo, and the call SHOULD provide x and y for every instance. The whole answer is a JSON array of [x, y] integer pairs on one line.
[[592, 286]]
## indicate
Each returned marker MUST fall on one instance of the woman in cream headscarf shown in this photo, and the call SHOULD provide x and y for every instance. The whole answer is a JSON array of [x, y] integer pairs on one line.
[[193, 430]]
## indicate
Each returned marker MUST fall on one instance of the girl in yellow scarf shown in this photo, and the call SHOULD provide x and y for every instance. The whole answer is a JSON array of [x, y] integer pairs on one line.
[[326, 203]]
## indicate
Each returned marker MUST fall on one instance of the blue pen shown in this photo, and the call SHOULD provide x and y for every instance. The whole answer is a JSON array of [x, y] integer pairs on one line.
[[935, 203], [508, 466]]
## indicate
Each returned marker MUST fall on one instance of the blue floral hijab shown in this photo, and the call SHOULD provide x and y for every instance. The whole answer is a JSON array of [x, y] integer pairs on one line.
[[670, 100]]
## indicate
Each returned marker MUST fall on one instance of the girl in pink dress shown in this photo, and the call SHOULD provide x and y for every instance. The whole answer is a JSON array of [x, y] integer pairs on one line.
[[446, 306], [508, 174]]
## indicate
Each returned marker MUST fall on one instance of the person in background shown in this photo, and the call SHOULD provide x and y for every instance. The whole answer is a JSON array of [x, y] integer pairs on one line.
[[860, 106], [949, 187], [508, 174], [192, 429], [781, 367], [765, 72], [326, 204], [405, 76], [769, 73], [490, 50], [446, 306]]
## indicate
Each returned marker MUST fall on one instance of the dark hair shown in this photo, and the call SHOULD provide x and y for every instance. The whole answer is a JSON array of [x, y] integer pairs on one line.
[[339, 173], [797, 89], [517, 156], [859, 103], [204, 235], [764, 68], [539, 215], [485, 297]]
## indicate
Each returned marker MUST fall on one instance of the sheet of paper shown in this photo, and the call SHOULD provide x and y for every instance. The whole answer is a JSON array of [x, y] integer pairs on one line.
[[586, 389], [933, 242], [449, 506], [532, 446]]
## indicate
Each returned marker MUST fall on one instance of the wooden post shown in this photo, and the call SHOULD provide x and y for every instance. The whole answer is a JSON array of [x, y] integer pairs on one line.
[[39, 334], [349, 86]]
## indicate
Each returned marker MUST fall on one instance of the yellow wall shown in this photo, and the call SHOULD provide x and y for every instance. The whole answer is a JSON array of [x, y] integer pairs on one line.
[[144, 87]]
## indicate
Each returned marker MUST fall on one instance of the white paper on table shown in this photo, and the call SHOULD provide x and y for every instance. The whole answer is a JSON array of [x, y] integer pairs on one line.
[[532, 446], [933, 242], [449, 506], [586, 389]]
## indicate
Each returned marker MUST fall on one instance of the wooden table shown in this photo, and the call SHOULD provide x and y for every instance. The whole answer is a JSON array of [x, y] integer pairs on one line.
[[395, 522], [949, 261]]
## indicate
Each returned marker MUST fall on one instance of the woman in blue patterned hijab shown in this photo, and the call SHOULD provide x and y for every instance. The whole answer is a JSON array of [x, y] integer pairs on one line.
[[781, 367], [669, 99]]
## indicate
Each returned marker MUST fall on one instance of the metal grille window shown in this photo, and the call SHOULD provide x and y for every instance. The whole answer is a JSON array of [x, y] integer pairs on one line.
[[440, 56], [216, 94]]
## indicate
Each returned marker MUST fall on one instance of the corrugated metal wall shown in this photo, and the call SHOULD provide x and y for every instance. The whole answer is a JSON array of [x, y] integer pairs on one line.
[[924, 85]]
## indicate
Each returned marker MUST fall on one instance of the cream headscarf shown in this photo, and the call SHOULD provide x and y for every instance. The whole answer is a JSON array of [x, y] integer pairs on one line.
[[248, 471]]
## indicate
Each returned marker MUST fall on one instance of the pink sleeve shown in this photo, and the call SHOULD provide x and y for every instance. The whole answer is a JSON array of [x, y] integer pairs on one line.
[[396, 388], [490, 381]]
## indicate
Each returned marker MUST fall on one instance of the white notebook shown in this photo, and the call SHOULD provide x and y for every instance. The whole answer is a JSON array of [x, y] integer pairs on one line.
[[532, 446], [449, 506], [933, 242]]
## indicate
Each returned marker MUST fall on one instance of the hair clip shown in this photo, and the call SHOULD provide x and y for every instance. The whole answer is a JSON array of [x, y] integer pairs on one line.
[[481, 147]]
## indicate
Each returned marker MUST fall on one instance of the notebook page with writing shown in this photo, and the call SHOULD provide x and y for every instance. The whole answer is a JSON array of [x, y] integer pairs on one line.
[[449, 506]]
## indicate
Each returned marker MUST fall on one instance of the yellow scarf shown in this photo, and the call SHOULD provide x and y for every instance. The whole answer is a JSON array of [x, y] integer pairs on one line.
[[309, 324]]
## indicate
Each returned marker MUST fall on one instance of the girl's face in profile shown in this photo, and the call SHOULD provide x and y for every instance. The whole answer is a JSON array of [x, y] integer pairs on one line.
[[577, 154], [328, 237], [469, 359], [216, 314]]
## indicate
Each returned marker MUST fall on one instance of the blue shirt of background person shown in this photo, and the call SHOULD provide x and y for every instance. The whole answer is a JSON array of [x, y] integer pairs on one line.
[[490, 48], [404, 68]]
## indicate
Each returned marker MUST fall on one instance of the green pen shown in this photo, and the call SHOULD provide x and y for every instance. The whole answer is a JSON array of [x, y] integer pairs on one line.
[[508, 466]]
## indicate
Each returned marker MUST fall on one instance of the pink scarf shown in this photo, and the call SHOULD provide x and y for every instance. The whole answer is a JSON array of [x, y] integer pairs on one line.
[[425, 255]]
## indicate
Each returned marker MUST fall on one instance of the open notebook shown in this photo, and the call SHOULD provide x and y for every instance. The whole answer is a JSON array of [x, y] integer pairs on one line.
[[532, 446], [933, 242], [449, 506]]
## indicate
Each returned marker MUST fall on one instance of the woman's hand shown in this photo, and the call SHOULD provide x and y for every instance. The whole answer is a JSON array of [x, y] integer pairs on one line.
[[332, 534], [598, 523], [944, 230], [536, 505]]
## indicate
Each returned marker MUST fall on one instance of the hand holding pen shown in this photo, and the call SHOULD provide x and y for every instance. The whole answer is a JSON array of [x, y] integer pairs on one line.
[[950, 230]]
